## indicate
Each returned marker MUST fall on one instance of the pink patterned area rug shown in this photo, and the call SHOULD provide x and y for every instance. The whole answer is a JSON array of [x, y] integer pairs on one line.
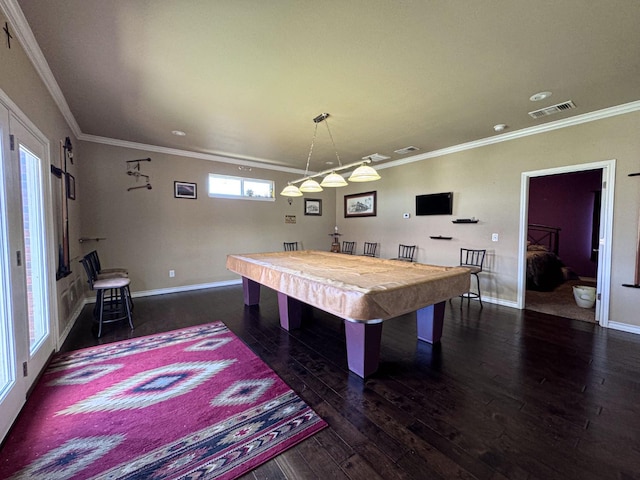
[[192, 403]]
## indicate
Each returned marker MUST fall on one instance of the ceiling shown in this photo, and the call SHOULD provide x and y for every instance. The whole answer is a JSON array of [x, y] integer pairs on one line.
[[244, 78]]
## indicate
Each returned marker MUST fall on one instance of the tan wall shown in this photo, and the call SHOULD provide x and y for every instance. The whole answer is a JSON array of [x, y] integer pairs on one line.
[[486, 183], [150, 232], [21, 83]]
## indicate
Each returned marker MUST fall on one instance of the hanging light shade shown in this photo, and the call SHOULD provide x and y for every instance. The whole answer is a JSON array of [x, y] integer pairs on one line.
[[291, 191], [364, 173], [310, 186], [334, 180]]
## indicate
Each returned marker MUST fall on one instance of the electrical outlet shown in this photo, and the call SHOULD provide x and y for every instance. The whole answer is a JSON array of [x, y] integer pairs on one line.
[[172, 273], [494, 237]]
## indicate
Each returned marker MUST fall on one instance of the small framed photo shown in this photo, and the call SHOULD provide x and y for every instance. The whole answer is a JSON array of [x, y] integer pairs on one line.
[[185, 190], [360, 205], [71, 186], [313, 206]]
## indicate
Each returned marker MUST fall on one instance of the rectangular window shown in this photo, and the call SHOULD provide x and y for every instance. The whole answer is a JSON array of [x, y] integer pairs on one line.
[[224, 186]]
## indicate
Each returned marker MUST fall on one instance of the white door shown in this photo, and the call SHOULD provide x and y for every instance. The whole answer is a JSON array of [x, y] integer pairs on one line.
[[26, 339]]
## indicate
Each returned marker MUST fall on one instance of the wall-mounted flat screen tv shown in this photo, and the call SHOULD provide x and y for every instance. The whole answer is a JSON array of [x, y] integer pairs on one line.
[[434, 204]]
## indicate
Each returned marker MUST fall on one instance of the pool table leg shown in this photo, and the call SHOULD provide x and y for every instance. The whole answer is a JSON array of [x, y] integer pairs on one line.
[[363, 346], [251, 291], [290, 312], [430, 320]]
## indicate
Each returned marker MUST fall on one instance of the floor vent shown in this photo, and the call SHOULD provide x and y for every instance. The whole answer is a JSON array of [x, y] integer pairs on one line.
[[560, 107]]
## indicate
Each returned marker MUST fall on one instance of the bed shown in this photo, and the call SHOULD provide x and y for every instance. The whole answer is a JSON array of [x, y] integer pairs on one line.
[[544, 267]]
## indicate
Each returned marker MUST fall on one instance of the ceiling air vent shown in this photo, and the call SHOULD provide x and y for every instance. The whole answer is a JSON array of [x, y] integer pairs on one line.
[[405, 150], [560, 107], [376, 157]]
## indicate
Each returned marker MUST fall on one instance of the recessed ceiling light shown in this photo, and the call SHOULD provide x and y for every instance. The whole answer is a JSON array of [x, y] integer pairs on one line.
[[328, 163], [536, 97], [178, 133], [499, 127]]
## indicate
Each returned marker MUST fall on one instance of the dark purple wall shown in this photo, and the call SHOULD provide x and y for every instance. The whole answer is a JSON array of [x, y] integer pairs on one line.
[[566, 201]]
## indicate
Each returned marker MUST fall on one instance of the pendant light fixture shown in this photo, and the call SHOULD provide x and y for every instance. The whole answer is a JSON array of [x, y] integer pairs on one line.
[[363, 172]]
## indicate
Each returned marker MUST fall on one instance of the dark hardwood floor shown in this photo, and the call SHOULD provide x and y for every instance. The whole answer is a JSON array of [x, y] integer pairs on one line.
[[508, 394]]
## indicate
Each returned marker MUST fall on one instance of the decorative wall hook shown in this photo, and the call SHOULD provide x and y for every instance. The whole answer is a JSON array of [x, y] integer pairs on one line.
[[68, 149], [133, 169]]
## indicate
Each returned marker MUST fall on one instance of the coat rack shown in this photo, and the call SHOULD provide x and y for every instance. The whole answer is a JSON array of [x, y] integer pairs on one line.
[[133, 169]]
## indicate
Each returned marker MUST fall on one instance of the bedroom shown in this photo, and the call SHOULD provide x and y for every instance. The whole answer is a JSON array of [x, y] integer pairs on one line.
[[563, 216]]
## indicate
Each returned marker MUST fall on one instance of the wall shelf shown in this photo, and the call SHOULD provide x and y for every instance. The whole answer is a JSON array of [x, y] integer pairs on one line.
[[465, 220], [440, 237]]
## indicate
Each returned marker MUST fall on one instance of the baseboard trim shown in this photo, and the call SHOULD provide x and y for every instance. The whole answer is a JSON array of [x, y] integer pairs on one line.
[[183, 288], [74, 317], [624, 327]]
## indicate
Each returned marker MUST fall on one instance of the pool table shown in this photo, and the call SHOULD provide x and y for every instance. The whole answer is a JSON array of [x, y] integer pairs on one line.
[[364, 291]]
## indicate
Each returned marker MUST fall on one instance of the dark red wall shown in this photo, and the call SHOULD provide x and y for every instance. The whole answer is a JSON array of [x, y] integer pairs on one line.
[[566, 201]]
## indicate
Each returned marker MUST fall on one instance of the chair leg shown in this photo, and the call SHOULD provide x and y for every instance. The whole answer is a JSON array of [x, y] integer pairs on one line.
[[100, 299], [127, 304], [478, 285]]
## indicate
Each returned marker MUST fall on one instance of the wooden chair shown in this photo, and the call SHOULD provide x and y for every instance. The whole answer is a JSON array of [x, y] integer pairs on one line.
[[405, 253], [473, 260], [370, 249], [290, 246], [348, 247]]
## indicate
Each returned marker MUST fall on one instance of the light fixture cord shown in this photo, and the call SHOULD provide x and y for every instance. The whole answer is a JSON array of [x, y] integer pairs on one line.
[[313, 140], [334, 143]]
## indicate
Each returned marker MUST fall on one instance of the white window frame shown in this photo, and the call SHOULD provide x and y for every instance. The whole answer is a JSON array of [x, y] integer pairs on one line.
[[242, 180]]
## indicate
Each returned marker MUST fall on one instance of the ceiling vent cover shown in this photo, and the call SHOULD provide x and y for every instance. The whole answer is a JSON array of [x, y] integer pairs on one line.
[[376, 157], [405, 150], [560, 107]]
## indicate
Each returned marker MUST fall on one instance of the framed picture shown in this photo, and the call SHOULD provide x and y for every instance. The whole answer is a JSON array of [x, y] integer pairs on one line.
[[360, 205], [312, 206], [71, 187], [185, 190]]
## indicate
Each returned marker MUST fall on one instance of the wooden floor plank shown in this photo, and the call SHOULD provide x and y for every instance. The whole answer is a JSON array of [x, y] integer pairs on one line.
[[508, 394]]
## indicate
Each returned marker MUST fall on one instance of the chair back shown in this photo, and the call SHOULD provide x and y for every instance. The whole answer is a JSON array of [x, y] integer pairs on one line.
[[370, 249], [472, 258], [348, 247], [89, 268], [290, 246], [95, 260], [406, 252]]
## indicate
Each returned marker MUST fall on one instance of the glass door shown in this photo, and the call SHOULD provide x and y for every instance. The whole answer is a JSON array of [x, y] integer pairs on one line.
[[26, 339]]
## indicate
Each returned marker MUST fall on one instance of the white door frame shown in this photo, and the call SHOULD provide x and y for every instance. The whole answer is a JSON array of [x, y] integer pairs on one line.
[[13, 273], [608, 168]]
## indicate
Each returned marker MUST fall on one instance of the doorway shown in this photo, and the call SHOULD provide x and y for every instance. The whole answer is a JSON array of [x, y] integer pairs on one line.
[[27, 317], [561, 292]]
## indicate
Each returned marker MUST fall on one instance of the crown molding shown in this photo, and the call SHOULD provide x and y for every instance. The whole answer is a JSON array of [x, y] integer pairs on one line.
[[525, 132], [244, 161], [25, 36]]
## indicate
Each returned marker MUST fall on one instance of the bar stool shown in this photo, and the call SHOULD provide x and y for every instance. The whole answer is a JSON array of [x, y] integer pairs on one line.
[[348, 247], [106, 273], [473, 260], [370, 249], [95, 261], [113, 300], [290, 246]]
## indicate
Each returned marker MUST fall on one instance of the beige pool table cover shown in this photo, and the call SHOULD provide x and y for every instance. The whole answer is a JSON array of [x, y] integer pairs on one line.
[[350, 286]]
